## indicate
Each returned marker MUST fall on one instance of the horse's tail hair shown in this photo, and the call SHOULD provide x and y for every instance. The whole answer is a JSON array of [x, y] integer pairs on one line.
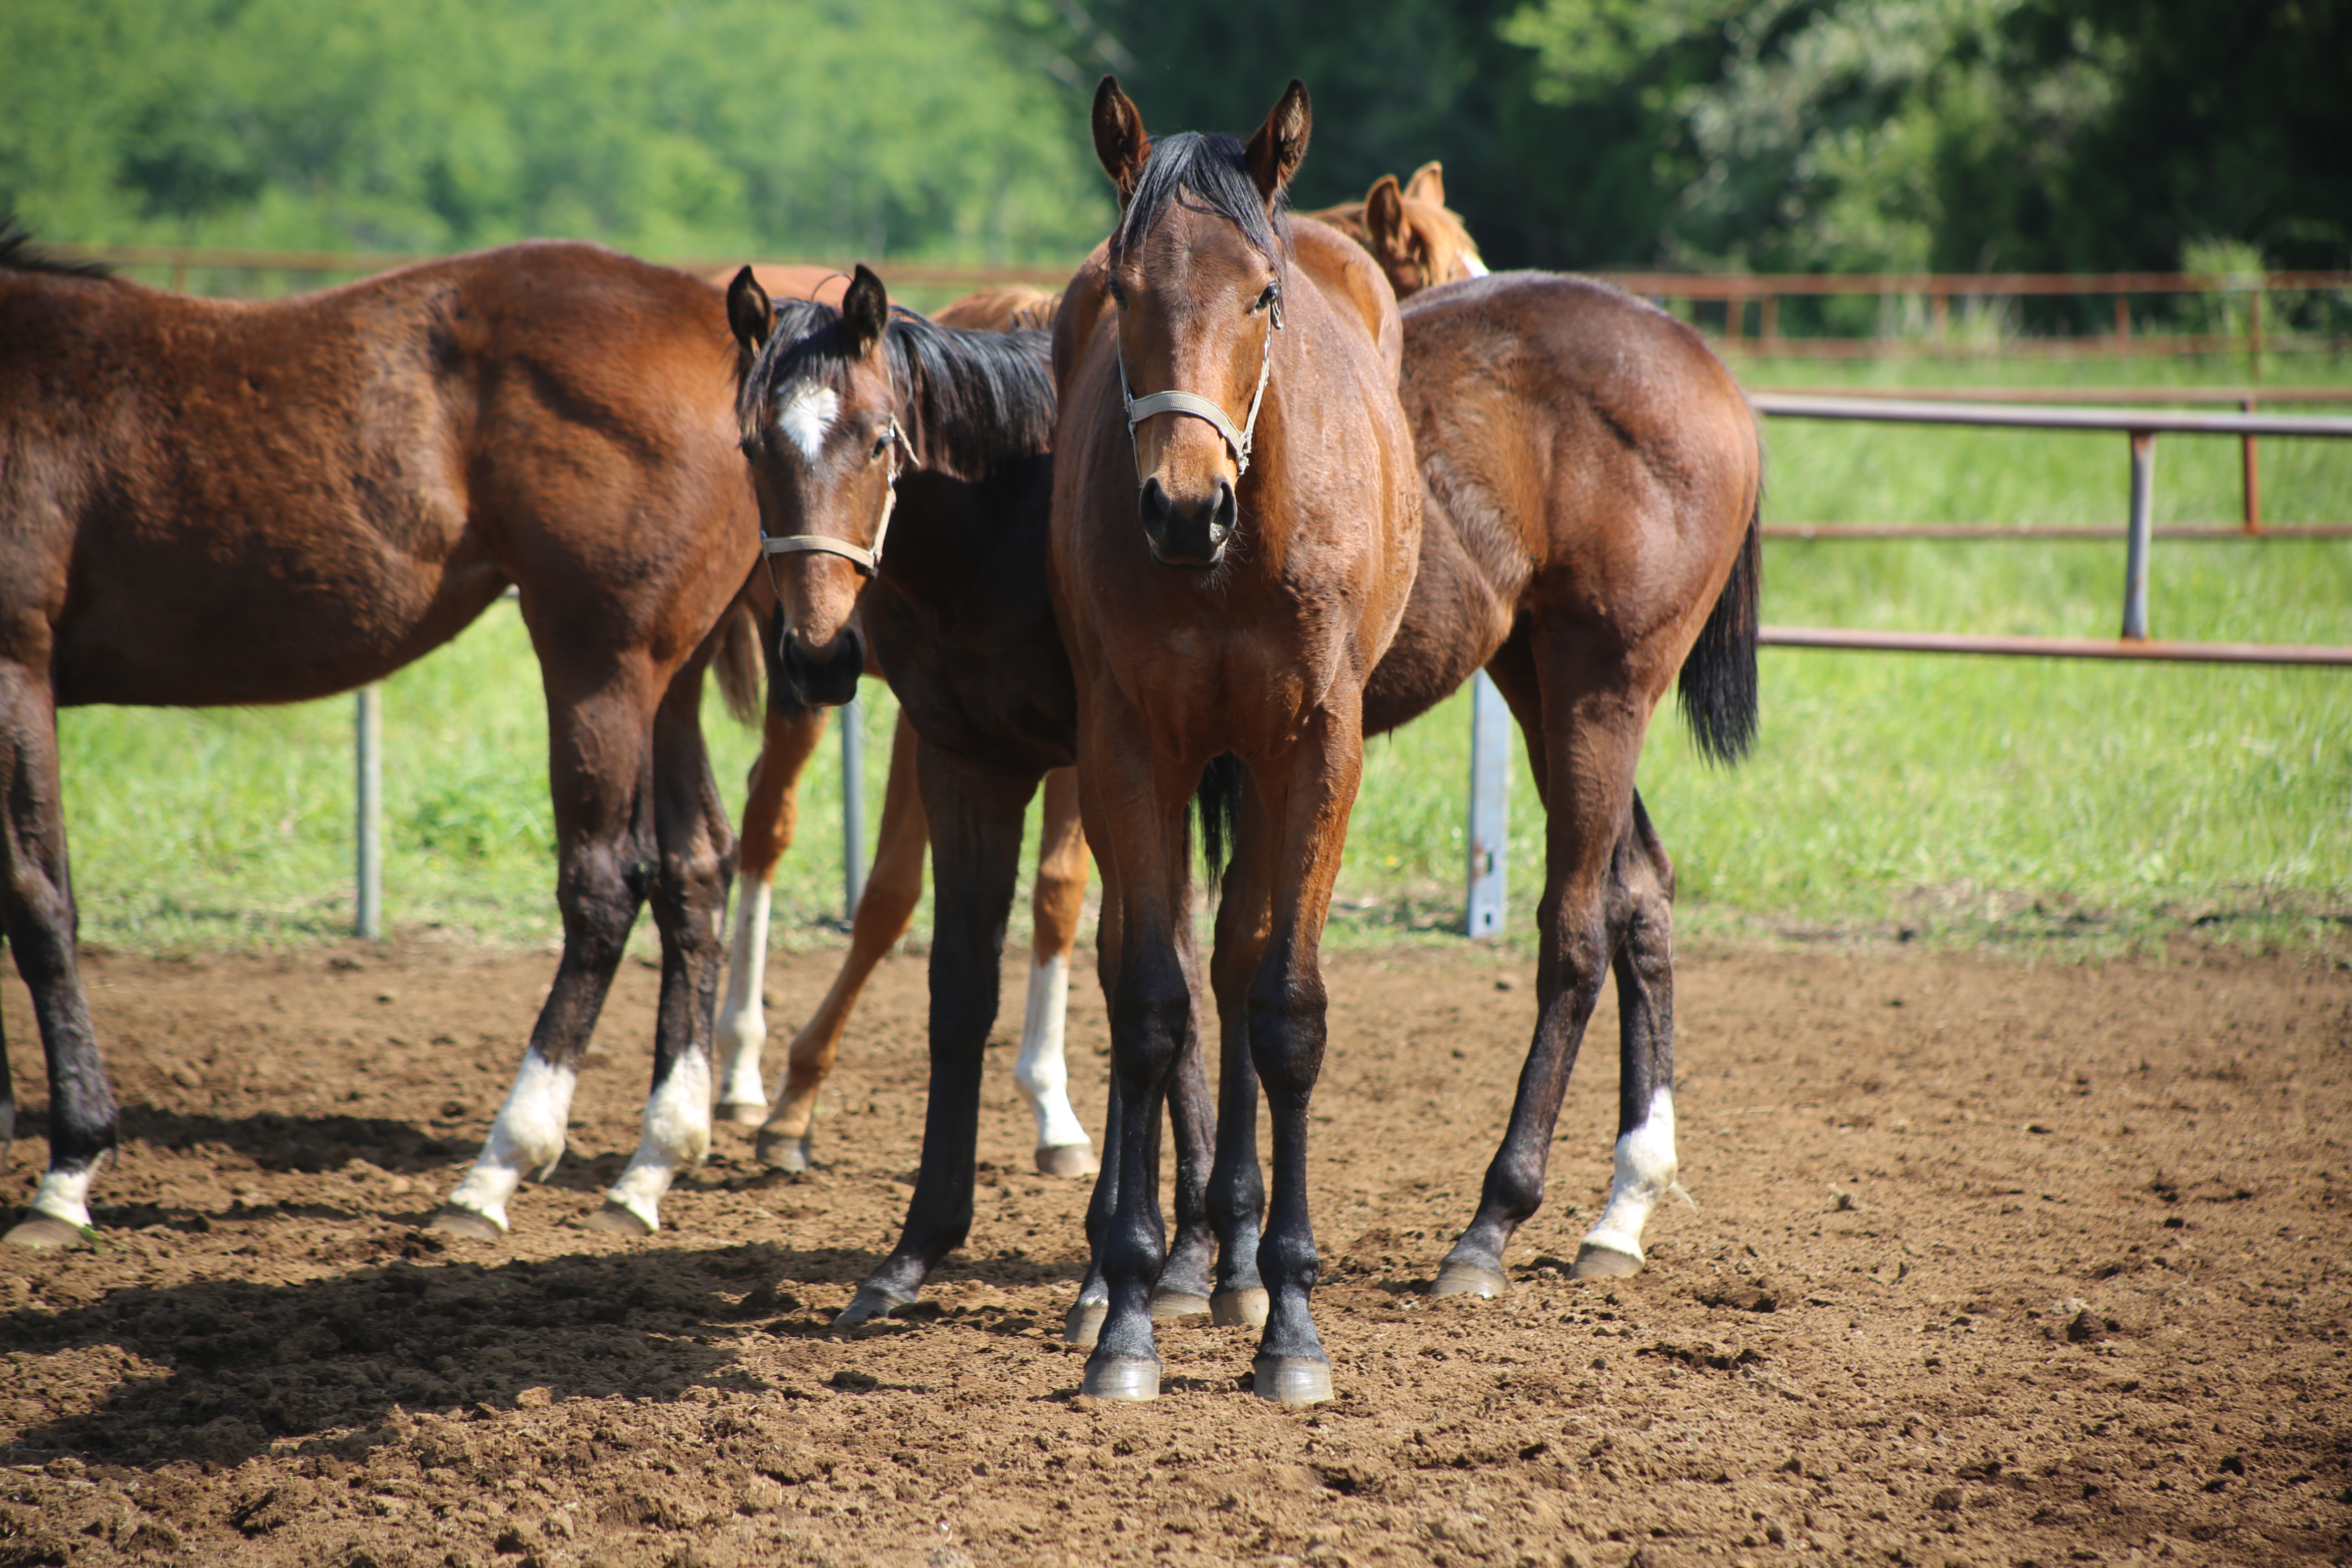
[[1219, 802], [738, 663], [1718, 678]]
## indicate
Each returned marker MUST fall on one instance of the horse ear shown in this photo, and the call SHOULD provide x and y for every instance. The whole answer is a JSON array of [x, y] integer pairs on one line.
[[1119, 139], [1384, 225], [1428, 184], [864, 309], [749, 316], [1281, 142]]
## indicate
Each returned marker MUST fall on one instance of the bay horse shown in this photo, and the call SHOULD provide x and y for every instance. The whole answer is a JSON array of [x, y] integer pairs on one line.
[[214, 502], [1417, 240], [1236, 517]]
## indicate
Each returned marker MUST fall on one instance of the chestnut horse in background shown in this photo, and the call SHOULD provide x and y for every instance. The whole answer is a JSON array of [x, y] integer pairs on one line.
[[210, 502], [1236, 517], [1417, 240]]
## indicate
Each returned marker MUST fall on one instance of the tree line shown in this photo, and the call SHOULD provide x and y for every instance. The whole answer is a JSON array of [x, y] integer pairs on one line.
[[1950, 135]]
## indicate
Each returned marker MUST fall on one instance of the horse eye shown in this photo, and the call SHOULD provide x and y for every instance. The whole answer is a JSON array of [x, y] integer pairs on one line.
[[1117, 294], [881, 447], [1273, 295]]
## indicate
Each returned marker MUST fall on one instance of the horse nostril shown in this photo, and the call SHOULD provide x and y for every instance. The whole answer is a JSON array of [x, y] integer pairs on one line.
[[1152, 504], [1222, 520]]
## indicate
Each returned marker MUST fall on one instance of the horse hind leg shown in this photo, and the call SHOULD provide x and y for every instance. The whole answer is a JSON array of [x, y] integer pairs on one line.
[[894, 885], [1042, 1074], [1644, 1166], [695, 852], [36, 911], [771, 810]]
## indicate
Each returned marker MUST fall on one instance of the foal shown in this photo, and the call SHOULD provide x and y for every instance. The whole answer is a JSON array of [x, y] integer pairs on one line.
[[1235, 520]]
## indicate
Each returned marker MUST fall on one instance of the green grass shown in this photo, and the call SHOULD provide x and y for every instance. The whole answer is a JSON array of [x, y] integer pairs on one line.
[[1965, 799]]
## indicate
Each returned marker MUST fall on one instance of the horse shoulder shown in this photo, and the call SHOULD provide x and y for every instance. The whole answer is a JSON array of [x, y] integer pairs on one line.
[[1347, 274]]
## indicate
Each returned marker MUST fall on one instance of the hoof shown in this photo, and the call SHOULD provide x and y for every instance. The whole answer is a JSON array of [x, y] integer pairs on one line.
[[1604, 1263], [870, 1302], [465, 1223], [1167, 1306], [1238, 1309], [742, 1113], [1456, 1277], [1082, 1327], [784, 1152], [614, 1220], [1291, 1380], [1067, 1160], [44, 1230], [1131, 1377]]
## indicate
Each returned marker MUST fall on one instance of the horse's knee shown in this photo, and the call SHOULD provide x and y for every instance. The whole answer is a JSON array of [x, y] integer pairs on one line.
[[1152, 1015], [1285, 1034]]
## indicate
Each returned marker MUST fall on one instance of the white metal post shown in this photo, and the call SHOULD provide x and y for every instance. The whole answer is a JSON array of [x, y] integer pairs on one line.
[[2142, 483], [1490, 803], [853, 808], [367, 919]]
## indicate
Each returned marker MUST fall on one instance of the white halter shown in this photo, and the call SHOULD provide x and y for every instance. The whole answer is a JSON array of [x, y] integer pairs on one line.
[[1139, 409]]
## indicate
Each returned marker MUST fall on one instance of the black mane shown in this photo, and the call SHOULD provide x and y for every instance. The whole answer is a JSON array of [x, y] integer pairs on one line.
[[969, 401], [18, 254], [1215, 170]]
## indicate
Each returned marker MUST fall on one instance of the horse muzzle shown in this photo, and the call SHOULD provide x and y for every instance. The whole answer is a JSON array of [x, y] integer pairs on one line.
[[1192, 535], [828, 681]]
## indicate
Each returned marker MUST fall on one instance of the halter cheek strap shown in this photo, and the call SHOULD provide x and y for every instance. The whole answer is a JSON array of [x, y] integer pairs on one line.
[[1139, 409], [867, 561]]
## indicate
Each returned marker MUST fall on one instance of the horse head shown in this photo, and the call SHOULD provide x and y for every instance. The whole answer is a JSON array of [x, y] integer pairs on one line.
[[1195, 273], [1417, 240], [818, 407]]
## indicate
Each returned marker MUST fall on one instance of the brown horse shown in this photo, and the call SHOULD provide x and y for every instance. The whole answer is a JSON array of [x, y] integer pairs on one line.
[[207, 502], [1235, 520], [1416, 239]]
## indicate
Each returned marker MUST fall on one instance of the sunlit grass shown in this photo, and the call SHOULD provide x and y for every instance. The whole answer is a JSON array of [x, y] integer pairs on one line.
[[1955, 796]]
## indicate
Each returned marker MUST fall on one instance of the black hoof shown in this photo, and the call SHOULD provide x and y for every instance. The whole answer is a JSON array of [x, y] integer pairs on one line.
[[1131, 1377], [1082, 1327], [1291, 1380], [1168, 1306], [1238, 1309], [1457, 1277]]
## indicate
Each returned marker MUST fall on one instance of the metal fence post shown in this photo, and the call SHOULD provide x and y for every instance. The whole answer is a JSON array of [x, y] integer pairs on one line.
[[1490, 802], [367, 749], [2143, 482], [853, 808]]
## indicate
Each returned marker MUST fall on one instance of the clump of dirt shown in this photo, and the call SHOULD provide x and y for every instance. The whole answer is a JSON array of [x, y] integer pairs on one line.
[[1989, 1264]]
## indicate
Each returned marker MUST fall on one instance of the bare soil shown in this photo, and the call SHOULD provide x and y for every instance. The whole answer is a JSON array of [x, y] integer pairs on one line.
[[1990, 1264]]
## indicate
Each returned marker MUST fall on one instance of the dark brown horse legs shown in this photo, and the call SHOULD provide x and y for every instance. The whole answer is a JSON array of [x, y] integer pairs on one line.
[[1606, 892], [37, 912], [1237, 1184], [697, 861], [976, 823]]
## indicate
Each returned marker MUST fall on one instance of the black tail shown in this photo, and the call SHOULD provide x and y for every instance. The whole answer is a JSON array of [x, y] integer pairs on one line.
[[1219, 802], [1718, 681]]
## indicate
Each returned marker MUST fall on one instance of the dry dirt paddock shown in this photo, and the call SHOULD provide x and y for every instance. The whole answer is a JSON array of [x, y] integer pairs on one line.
[[1990, 1264]]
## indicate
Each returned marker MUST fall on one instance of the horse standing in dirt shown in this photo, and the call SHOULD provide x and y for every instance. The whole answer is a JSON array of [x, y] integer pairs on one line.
[[1236, 517], [212, 502]]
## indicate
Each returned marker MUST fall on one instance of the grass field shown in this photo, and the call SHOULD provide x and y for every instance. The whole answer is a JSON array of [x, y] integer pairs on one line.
[[2069, 803]]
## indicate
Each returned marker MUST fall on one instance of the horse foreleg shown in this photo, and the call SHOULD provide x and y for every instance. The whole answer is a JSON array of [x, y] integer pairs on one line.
[[36, 911], [770, 812], [894, 885], [600, 777], [1641, 914], [1237, 1182], [1057, 903], [697, 861], [1590, 732], [975, 815]]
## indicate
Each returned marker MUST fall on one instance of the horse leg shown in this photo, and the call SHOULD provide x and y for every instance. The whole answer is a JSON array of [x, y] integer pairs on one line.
[[1152, 1016], [1237, 1184], [976, 818], [1306, 810], [1642, 909], [1056, 904], [1084, 1323], [600, 774], [894, 885], [1591, 727], [1182, 1289], [771, 810], [37, 912], [697, 861]]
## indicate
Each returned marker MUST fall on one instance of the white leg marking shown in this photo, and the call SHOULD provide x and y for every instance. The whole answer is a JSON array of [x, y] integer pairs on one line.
[[742, 1027], [676, 1134], [65, 1194], [1644, 1175], [526, 1139], [1041, 1074]]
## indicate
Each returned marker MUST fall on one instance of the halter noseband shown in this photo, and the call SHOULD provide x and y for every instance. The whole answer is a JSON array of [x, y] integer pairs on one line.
[[1139, 409]]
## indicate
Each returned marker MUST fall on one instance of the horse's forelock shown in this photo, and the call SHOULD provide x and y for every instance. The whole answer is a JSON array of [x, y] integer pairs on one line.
[[1215, 170]]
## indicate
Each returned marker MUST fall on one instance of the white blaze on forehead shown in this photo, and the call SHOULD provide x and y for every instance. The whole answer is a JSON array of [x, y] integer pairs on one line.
[[805, 414]]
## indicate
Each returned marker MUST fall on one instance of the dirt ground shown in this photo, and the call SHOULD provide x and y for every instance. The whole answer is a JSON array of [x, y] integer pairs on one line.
[[1990, 1264]]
